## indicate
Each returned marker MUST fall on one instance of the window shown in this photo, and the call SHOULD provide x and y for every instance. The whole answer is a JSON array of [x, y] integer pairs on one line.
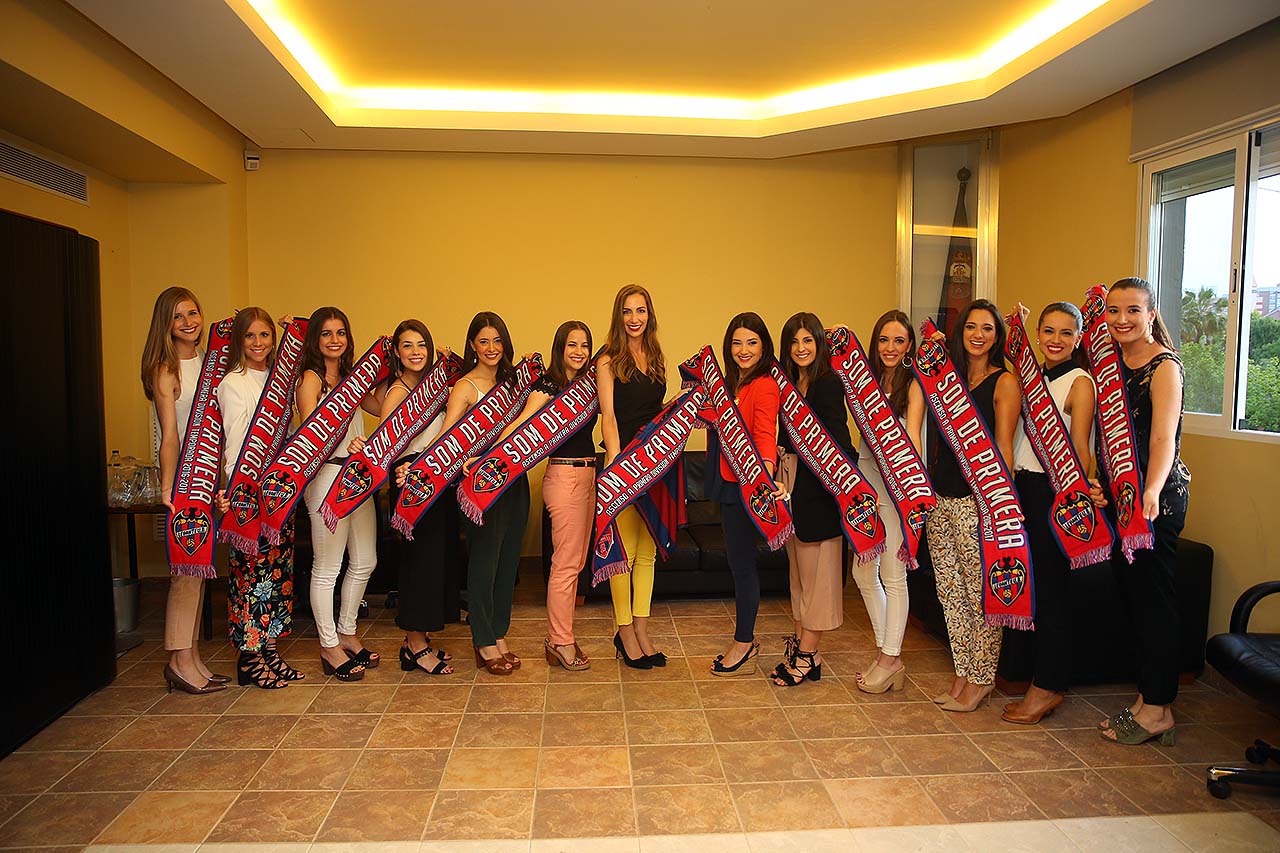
[[1212, 214]]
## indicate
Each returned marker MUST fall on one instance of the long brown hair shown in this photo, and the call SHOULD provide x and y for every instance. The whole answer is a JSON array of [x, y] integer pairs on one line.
[[821, 365], [615, 346], [1158, 329], [899, 387], [733, 375], [411, 325], [555, 370], [245, 318], [312, 358], [487, 318], [159, 349], [955, 346]]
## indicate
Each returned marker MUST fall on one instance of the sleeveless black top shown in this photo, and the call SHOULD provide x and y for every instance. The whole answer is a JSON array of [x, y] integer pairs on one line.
[[948, 480], [635, 403], [578, 445]]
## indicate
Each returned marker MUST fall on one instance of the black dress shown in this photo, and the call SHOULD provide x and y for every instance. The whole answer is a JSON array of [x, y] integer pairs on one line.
[[814, 511], [635, 403]]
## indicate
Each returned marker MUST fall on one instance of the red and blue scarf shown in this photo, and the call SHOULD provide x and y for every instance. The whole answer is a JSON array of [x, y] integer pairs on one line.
[[900, 464], [1082, 532], [365, 472], [318, 436], [1007, 597], [548, 428], [267, 430], [439, 464], [771, 518], [839, 475], [1115, 426], [647, 474], [191, 534]]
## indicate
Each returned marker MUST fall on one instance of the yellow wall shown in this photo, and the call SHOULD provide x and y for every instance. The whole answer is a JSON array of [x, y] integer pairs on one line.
[[543, 239]]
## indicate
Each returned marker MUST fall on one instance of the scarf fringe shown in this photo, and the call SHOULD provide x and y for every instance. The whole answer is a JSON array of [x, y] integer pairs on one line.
[[780, 538], [907, 560], [470, 508], [603, 573], [192, 570], [1090, 558], [1137, 542], [238, 540], [1009, 620], [402, 524], [330, 517], [875, 552], [271, 534]]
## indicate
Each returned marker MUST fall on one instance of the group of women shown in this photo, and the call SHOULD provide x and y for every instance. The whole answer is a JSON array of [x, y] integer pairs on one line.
[[632, 386]]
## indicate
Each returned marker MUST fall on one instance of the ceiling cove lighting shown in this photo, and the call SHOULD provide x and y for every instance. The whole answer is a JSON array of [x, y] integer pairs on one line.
[[1050, 21]]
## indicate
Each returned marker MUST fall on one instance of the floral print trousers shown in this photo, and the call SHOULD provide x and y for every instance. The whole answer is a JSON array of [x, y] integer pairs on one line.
[[260, 593]]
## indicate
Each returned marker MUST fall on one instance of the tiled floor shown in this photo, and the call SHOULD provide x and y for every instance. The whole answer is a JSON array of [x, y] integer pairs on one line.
[[670, 758]]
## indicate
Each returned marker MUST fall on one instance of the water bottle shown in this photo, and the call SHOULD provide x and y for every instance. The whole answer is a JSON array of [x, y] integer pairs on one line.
[[113, 479]]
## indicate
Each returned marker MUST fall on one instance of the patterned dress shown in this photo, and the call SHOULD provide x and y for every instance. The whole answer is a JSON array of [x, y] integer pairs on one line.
[[260, 594]]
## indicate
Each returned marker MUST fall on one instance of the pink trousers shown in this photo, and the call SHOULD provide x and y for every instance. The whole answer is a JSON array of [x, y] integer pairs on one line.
[[570, 496]]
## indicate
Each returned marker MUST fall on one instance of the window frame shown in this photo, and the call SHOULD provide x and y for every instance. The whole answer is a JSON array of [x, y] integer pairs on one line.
[[1240, 140]]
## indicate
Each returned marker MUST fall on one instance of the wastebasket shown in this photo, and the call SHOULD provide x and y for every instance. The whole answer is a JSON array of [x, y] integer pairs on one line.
[[125, 591]]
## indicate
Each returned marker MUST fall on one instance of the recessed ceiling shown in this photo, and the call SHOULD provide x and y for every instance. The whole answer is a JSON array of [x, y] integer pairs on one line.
[[755, 78]]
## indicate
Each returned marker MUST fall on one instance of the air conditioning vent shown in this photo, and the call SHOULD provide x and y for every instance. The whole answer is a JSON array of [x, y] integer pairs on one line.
[[36, 171]]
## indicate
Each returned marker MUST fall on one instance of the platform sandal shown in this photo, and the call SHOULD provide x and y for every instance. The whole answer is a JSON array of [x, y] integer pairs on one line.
[[352, 670]]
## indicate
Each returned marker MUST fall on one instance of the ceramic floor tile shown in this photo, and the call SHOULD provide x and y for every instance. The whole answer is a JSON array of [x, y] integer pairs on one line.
[[844, 758], [882, 802], [808, 840], [1221, 832], [584, 697], [76, 733], [669, 727], [186, 704], [415, 731], [677, 669], [1165, 790], [507, 698], [932, 755], [775, 806], [274, 817], [305, 770], [830, 721], [511, 767], [212, 770], [748, 692], [377, 816], [685, 809], [914, 718], [398, 769], [248, 731], [729, 725], [660, 696], [63, 819], [688, 765], [35, 772], [167, 817], [979, 797], [590, 728], [118, 701], [118, 771], [11, 804], [429, 698], [294, 699], [1090, 748], [584, 767], [567, 813], [1026, 836], [489, 814], [160, 733], [1136, 834], [331, 731], [336, 698], [1033, 750], [499, 730], [1073, 794]]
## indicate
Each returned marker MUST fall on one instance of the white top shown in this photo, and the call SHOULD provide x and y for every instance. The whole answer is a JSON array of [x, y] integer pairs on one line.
[[1024, 455], [189, 372], [430, 433], [238, 395]]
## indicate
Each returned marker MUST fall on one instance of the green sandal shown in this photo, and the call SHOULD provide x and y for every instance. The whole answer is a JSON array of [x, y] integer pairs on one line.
[[1116, 720], [1130, 732]]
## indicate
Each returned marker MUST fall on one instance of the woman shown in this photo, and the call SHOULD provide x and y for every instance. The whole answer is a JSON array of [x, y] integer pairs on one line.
[[883, 584], [260, 591], [977, 351], [326, 361], [816, 551], [1058, 335], [422, 559], [569, 491], [632, 380], [1154, 381], [494, 559], [748, 355], [171, 361]]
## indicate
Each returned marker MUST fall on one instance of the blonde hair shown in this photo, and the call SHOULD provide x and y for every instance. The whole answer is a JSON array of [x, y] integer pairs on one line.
[[620, 359], [159, 349]]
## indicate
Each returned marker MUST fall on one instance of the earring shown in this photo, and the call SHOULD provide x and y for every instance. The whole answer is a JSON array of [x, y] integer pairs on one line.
[[907, 361]]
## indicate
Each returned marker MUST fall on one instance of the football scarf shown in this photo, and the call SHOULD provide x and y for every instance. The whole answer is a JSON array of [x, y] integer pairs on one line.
[[267, 430], [1115, 426], [548, 428], [440, 463], [838, 474], [317, 437], [365, 472], [191, 534], [649, 475], [771, 518], [1082, 532], [1006, 556], [900, 464]]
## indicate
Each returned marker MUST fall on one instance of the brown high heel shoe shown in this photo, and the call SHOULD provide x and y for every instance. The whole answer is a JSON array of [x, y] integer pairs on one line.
[[1013, 712], [577, 663], [496, 666], [174, 680]]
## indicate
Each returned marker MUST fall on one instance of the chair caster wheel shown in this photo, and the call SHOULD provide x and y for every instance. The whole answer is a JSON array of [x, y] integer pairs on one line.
[[392, 601], [364, 609], [1255, 755], [1220, 788]]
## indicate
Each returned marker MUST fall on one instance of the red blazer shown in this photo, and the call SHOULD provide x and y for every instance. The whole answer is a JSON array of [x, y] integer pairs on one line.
[[758, 402]]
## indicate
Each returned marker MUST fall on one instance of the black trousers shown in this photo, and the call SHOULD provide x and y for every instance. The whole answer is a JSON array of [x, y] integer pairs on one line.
[[740, 537], [1051, 571], [1150, 590], [422, 567]]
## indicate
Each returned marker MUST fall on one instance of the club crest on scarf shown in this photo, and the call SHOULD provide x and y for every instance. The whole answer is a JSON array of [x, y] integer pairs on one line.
[[191, 528], [1076, 516], [1126, 503], [277, 489], [605, 543], [763, 504], [356, 480], [491, 475], [862, 514], [418, 488], [838, 340], [1007, 579], [931, 357], [244, 503], [917, 516]]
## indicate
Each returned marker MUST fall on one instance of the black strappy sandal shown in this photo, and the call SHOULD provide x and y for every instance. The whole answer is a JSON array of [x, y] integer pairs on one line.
[[785, 678], [364, 657], [252, 668], [409, 662], [279, 667], [352, 670], [440, 653]]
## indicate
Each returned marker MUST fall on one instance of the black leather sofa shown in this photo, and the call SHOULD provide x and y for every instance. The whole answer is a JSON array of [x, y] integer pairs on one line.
[[1102, 628], [699, 565]]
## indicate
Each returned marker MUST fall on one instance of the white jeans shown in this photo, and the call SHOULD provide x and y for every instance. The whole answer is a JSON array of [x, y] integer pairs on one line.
[[883, 584], [357, 535]]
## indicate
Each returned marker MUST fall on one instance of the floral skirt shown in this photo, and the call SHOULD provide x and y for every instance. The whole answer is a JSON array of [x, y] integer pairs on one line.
[[260, 593]]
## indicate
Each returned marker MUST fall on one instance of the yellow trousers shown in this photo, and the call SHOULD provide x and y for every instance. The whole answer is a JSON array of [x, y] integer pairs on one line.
[[633, 591]]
